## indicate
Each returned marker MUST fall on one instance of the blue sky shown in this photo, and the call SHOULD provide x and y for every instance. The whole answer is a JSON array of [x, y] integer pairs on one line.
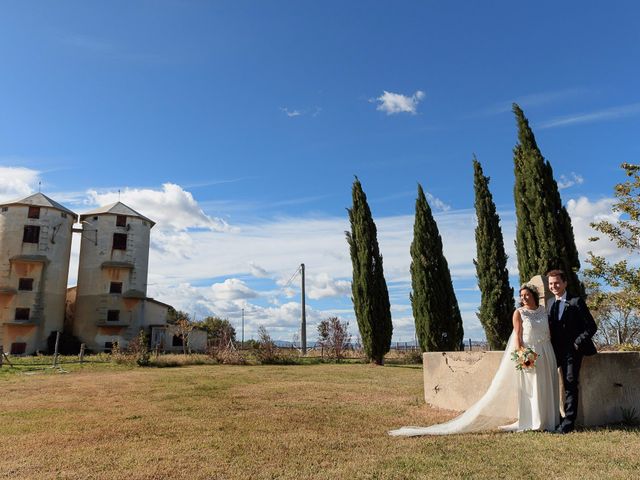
[[239, 126]]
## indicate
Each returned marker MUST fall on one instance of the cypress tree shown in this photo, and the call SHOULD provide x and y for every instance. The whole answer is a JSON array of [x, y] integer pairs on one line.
[[435, 308], [369, 288], [544, 235], [496, 304]]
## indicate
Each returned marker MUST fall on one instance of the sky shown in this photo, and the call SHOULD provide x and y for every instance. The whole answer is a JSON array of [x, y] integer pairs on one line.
[[238, 126]]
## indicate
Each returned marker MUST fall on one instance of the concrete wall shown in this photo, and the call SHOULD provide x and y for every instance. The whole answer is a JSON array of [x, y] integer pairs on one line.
[[46, 262], [610, 382]]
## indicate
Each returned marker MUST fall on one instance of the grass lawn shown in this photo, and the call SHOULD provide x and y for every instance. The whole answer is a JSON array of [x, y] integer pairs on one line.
[[256, 422]]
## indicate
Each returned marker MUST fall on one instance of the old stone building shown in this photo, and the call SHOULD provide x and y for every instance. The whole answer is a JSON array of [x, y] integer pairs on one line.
[[35, 246], [109, 303]]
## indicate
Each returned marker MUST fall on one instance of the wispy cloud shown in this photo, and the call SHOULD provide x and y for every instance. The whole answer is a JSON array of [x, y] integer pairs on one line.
[[294, 112], [394, 103], [534, 100], [290, 113], [607, 114], [569, 181]]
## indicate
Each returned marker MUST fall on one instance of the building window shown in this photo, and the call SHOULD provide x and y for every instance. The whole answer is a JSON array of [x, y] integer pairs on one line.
[[177, 341], [63, 214], [115, 287], [108, 347], [113, 315], [22, 314], [34, 212], [18, 348], [25, 284], [5, 209], [95, 219], [31, 234], [121, 221], [119, 241]]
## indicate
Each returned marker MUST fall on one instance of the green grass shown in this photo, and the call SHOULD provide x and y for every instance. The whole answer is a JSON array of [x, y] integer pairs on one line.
[[324, 421]]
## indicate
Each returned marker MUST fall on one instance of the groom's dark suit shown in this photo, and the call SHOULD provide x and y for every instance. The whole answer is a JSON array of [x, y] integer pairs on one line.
[[571, 339]]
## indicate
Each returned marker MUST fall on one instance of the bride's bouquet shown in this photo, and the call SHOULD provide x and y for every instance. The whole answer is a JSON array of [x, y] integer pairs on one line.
[[525, 358]]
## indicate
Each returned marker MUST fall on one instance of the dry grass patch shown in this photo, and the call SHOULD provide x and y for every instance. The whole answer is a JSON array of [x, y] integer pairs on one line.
[[255, 422]]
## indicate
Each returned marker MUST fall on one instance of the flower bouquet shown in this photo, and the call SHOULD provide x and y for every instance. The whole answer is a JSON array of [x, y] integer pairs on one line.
[[525, 358]]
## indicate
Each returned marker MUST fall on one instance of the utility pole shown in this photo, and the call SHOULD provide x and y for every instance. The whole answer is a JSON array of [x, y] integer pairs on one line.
[[303, 333], [242, 328]]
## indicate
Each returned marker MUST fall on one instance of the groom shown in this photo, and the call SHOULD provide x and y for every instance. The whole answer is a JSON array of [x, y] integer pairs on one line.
[[571, 326]]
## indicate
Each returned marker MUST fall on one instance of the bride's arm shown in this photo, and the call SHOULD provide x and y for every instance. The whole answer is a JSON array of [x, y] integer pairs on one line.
[[517, 329]]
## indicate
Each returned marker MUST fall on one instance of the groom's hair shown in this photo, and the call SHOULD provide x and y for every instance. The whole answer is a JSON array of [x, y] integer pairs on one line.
[[557, 273]]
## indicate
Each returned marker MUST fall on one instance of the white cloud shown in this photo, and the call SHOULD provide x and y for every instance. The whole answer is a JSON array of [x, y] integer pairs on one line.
[[570, 180], [583, 212], [393, 103], [174, 210], [437, 204], [172, 207], [232, 289], [257, 271], [323, 286], [17, 182], [290, 113]]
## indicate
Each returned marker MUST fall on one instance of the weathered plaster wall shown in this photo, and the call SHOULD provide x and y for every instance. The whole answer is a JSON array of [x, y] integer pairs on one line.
[[610, 383]]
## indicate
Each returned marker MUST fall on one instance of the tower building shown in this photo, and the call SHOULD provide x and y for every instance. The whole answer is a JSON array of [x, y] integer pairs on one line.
[[111, 295], [35, 246]]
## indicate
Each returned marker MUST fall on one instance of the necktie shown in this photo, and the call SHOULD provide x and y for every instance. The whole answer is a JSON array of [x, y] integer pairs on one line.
[[555, 311]]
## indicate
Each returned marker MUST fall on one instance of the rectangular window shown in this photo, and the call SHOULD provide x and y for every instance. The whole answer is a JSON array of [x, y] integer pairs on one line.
[[22, 314], [113, 315], [18, 348], [121, 221], [25, 284], [108, 346], [31, 234], [63, 215], [115, 287], [5, 209], [34, 212], [177, 341], [119, 241]]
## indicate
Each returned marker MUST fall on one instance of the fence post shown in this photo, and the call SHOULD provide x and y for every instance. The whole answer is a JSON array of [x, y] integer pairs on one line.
[[469, 344], [1, 355], [55, 351], [81, 353]]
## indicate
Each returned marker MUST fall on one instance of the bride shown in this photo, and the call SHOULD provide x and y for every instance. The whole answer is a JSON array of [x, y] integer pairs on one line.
[[537, 387]]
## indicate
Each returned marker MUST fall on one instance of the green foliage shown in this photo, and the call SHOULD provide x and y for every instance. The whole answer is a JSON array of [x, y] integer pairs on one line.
[[219, 331], [615, 286], [141, 349], [544, 235], [497, 304], [370, 296], [435, 308], [173, 316]]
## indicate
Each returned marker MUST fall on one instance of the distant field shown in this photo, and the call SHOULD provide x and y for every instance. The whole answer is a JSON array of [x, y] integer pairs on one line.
[[268, 422]]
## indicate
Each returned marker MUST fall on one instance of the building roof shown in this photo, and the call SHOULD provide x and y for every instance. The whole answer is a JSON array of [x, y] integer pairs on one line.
[[39, 200], [117, 208]]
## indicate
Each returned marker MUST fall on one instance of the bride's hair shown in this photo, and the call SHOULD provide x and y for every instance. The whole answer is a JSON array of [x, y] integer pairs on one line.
[[534, 293]]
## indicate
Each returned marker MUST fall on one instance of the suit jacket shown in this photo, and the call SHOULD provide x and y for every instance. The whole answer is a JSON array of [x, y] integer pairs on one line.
[[575, 327]]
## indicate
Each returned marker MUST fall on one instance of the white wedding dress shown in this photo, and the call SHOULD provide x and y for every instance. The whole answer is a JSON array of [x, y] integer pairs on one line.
[[536, 404]]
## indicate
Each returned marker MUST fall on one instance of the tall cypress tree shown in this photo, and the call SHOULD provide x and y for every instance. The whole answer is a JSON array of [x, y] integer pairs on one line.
[[496, 304], [435, 308], [544, 235], [369, 288]]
